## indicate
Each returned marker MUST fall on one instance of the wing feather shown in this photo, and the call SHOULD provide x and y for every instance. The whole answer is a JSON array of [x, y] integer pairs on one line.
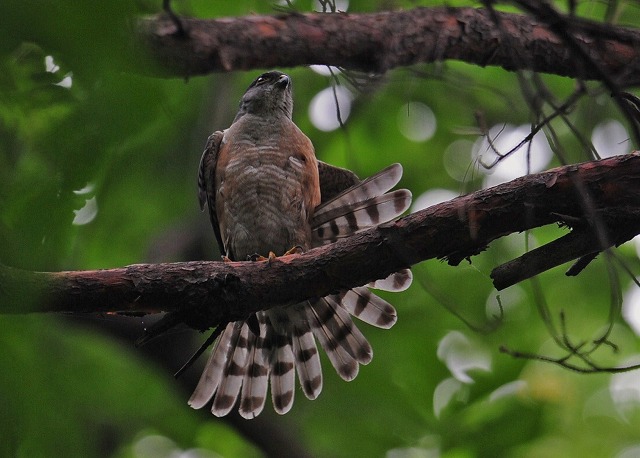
[[206, 182]]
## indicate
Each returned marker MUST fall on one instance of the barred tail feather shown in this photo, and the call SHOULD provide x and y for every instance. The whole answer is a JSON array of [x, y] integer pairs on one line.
[[376, 185], [319, 314], [364, 205], [362, 303], [307, 360], [347, 220], [347, 334], [396, 282], [282, 377], [256, 377], [212, 374], [233, 373]]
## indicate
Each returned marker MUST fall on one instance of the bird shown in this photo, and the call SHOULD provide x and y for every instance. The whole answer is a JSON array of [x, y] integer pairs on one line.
[[268, 195]]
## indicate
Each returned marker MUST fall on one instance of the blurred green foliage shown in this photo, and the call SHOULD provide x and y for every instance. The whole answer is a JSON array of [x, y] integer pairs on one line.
[[132, 144]]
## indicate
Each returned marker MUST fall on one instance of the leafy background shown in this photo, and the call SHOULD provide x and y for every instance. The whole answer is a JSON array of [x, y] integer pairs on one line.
[[101, 172]]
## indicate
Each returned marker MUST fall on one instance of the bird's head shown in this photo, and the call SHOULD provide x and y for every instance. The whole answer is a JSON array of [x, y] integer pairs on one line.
[[268, 95]]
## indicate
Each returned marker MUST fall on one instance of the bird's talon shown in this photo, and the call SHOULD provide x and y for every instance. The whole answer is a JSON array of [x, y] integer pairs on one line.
[[295, 250], [255, 257]]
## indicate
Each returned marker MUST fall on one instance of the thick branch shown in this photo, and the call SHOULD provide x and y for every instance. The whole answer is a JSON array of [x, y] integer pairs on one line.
[[578, 243], [382, 41], [455, 230]]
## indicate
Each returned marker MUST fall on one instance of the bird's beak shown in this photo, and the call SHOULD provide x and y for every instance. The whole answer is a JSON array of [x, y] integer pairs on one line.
[[284, 81]]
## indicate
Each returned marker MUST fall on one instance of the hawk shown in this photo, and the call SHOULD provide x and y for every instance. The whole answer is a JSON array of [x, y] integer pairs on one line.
[[267, 193]]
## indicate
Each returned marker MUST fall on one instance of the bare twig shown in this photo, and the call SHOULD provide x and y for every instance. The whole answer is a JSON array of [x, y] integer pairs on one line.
[[589, 368], [564, 27]]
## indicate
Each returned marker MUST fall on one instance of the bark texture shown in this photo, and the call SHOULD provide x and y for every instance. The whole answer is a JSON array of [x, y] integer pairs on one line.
[[381, 41]]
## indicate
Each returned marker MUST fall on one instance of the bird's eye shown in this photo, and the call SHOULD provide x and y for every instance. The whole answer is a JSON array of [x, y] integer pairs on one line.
[[260, 80]]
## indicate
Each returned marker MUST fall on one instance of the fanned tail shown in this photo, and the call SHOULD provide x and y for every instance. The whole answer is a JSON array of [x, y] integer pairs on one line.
[[360, 207], [242, 364]]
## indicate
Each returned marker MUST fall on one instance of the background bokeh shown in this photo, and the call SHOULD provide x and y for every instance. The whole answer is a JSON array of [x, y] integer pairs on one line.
[[98, 170]]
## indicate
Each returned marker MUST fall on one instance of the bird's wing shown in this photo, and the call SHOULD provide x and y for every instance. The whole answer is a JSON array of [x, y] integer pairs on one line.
[[206, 182], [334, 180]]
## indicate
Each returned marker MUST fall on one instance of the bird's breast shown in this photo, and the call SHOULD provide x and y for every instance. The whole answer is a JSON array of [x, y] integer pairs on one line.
[[261, 203]]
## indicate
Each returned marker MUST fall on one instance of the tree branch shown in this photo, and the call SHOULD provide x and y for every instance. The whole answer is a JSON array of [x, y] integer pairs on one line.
[[208, 292], [583, 244], [381, 41]]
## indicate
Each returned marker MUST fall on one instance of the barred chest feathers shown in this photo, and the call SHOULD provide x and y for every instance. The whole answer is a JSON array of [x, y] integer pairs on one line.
[[263, 198]]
